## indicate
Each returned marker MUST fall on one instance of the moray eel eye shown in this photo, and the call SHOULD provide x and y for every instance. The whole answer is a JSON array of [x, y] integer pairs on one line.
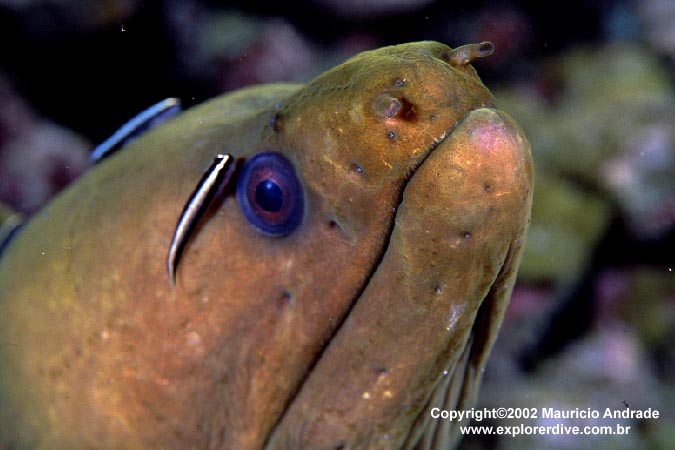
[[270, 194]]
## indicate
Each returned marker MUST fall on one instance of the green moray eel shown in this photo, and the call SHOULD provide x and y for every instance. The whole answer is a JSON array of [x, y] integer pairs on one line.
[[347, 272]]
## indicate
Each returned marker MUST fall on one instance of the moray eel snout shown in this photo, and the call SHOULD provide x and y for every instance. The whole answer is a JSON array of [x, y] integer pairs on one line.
[[420, 333]]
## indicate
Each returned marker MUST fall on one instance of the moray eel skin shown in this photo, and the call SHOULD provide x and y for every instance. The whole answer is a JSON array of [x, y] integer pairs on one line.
[[282, 267]]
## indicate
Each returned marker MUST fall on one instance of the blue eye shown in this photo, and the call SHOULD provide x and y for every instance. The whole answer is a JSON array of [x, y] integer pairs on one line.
[[270, 195]]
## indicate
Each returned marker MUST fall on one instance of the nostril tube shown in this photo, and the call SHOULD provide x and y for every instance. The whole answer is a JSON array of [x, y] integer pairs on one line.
[[387, 106], [463, 55]]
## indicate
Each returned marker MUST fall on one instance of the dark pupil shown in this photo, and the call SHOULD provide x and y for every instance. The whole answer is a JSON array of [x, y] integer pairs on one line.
[[268, 196]]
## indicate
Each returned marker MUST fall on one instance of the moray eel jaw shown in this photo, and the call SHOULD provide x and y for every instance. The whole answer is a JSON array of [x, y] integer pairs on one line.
[[420, 334]]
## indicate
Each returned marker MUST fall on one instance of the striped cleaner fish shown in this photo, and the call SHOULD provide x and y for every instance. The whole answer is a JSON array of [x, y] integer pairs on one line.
[[284, 267]]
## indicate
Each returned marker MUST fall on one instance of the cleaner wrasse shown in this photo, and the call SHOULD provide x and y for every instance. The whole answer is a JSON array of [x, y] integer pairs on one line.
[[283, 267]]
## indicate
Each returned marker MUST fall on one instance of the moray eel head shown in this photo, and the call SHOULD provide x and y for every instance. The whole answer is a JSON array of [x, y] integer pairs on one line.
[[349, 275]]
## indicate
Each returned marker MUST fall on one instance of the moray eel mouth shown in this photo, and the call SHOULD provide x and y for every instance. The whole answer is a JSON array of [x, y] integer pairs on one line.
[[419, 333]]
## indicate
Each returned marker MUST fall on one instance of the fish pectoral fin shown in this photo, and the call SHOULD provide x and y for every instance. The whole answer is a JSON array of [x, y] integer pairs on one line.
[[198, 203]]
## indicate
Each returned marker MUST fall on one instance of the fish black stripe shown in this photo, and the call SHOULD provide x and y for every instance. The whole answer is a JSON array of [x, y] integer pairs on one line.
[[195, 208]]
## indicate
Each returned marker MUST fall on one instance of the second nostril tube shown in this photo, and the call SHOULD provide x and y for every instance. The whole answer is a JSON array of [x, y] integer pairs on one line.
[[463, 55]]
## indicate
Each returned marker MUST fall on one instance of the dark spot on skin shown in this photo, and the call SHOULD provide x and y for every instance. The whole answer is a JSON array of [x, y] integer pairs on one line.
[[286, 298], [277, 122], [467, 235], [391, 134], [334, 225], [487, 187], [381, 371], [356, 168]]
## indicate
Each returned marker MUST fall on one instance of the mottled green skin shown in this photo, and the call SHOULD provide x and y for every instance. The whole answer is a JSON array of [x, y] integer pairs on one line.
[[336, 335]]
